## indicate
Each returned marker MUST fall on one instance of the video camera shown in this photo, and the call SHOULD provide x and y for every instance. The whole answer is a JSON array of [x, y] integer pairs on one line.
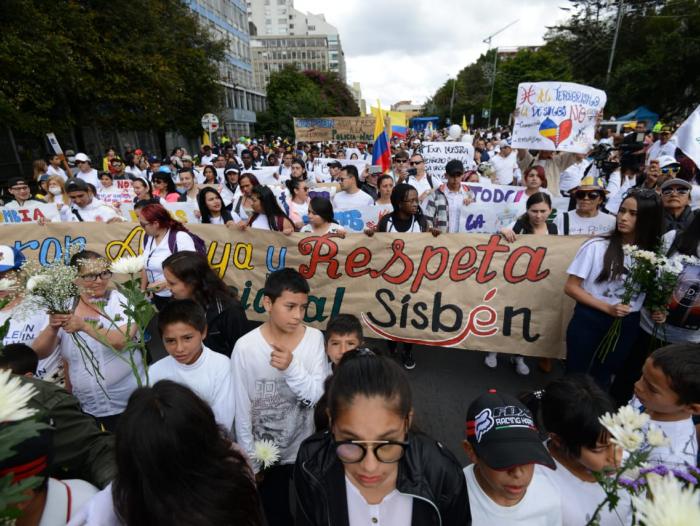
[[601, 159]]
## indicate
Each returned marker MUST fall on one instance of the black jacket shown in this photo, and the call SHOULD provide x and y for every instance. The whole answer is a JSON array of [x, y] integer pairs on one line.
[[226, 322], [678, 223], [427, 472]]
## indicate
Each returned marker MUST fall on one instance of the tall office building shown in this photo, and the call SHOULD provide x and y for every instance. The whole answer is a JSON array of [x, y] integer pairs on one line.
[[278, 18], [228, 20]]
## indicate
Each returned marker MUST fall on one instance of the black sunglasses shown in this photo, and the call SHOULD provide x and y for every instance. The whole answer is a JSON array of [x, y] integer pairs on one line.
[[385, 451], [590, 194], [675, 190]]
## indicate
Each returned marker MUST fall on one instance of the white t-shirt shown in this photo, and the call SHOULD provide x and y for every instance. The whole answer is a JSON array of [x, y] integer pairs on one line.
[[571, 177], [274, 404], [63, 499], [682, 449], [25, 330], [59, 172], [588, 264], [455, 200], [89, 177], [209, 377], [657, 150], [333, 228], [579, 499], [95, 211], [346, 201], [423, 185], [505, 167], [396, 509], [260, 222], [118, 380], [156, 254], [597, 225], [540, 506]]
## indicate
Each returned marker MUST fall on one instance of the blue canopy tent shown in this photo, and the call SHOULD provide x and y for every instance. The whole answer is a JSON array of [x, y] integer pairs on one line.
[[641, 114], [420, 123]]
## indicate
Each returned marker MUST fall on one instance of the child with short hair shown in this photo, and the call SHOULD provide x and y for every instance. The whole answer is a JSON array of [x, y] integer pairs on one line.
[[19, 358], [669, 392], [278, 371], [343, 334], [183, 328], [504, 446]]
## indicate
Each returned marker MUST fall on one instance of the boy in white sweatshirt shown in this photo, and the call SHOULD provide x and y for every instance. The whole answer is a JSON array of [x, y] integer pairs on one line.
[[278, 373], [183, 327]]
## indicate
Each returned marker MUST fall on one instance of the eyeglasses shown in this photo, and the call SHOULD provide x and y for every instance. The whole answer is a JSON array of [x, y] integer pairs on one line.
[[670, 169], [20, 187], [415, 163], [583, 194], [93, 277], [400, 160], [385, 451], [675, 190]]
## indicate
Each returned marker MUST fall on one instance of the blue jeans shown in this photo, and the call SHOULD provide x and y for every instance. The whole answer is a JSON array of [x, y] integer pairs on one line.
[[586, 330]]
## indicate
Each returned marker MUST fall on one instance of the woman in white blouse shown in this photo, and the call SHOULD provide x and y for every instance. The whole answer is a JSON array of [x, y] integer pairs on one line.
[[212, 210]]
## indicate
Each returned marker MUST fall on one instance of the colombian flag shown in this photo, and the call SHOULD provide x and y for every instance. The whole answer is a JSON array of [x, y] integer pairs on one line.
[[381, 156]]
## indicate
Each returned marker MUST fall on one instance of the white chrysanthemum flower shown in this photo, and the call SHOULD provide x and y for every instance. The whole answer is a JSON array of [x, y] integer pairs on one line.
[[656, 437], [36, 281], [670, 503], [128, 265], [630, 418], [266, 452], [7, 284], [629, 440], [14, 396], [629, 249]]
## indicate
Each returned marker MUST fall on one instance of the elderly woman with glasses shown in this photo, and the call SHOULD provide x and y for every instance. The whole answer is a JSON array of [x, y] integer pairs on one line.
[[587, 219], [675, 196], [372, 463], [102, 381]]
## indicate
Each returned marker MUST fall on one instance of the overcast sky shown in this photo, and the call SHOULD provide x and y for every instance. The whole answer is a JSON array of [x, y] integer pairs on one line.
[[399, 50]]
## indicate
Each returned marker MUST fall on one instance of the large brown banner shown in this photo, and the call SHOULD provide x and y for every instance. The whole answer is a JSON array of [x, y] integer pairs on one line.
[[334, 129], [458, 290]]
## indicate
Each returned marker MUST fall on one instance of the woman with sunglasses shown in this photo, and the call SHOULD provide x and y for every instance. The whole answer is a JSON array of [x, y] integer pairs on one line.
[[586, 219], [298, 199], [104, 397], [675, 196], [596, 282], [372, 467], [164, 187]]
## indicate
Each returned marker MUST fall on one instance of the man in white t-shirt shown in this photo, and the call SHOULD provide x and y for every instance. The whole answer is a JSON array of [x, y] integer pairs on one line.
[[86, 207], [350, 197], [85, 170], [587, 219], [278, 374], [207, 157], [504, 446], [505, 164], [664, 146], [423, 182]]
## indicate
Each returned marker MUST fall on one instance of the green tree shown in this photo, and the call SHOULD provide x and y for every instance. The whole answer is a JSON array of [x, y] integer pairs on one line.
[[142, 64], [292, 93]]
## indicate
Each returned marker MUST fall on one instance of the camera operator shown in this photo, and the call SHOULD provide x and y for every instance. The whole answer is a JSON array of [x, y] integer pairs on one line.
[[633, 147]]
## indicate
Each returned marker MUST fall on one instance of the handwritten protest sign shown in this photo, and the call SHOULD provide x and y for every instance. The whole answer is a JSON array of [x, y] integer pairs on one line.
[[437, 154], [556, 116], [120, 192], [334, 129], [469, 291], [183, 212], [320, 165], [487, 218], [28, 214]]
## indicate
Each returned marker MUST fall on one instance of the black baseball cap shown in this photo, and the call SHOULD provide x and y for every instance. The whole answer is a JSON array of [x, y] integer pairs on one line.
[[14, 181], [454, 166], [76, 185], [503, 433], [336, 164]]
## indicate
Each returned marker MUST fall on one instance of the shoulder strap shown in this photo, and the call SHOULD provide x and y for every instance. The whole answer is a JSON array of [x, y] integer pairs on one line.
[[172, 240], [674, 245], [566, 223], [77, 214], [430, 180], [552, 228]]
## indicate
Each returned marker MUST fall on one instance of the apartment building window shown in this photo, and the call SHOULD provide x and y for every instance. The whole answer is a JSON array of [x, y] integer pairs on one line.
[[312, 28], [281, 21]]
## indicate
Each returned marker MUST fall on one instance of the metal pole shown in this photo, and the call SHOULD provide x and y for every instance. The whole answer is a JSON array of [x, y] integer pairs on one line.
[[452, 99], [493, 84], [620, 12]]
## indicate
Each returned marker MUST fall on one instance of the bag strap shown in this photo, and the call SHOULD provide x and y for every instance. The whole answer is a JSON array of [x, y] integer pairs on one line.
[[77, 214], [566, 223]]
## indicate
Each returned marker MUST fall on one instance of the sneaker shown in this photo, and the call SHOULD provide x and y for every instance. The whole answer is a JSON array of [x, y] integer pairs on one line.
[[520, 365], [491, 360], [408, 361]]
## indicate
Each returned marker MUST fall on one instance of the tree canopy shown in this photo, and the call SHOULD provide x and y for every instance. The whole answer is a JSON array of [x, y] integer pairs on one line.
[[142, 64], [656, 61], [293, 93]]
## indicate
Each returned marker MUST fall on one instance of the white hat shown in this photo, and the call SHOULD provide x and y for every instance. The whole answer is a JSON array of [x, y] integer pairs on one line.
[[666, 160], [81, 157]]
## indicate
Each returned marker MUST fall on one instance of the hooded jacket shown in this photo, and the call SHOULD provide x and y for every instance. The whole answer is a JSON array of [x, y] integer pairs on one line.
[[428, 472]]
